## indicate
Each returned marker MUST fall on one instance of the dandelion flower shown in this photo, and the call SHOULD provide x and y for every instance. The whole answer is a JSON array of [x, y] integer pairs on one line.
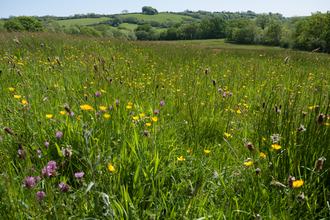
[[276, 147], [248, 163], [86, 107], [180, 158], [155, 119], [110, 167], [262, 155], [17, 96], [207, 151], [49, 116], [298, 183]]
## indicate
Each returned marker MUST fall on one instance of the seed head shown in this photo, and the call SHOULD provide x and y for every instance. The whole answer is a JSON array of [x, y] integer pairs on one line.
[[8, 130], [290, 181], [214, 83], [258, 171], [67, 109], [250, 146], [146, 133], [301, 197], [320, 118], [319, 163], [301, 128]]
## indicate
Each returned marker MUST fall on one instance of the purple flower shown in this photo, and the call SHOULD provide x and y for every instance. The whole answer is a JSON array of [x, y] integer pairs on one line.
[[79, 175], [111, 108], [38, 151], [278, 111], [29, 182], [323, 96], [72, 113], [219, 90], [58, 135], [224, 94], [0, 138], [162, 103], [68, 70], [230, 94], [98, 94], [21, 154], [98, 114], [47, 171], [315, 90], [156, 111], [40, 195], [38, 179], [117, 102], [46, 144], [64, 187], [52, 165]]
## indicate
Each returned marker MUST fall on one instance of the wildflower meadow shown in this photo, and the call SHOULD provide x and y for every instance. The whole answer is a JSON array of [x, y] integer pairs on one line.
[[99, 128]]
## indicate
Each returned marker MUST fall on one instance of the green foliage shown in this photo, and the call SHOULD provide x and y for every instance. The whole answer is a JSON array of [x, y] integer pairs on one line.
[[273, 34], [13, 25], [263, 20], [72, 30], [236, 24], [144, 27], [89, 31], [53, 27], [149, 10], [30, 23], [172, 34]]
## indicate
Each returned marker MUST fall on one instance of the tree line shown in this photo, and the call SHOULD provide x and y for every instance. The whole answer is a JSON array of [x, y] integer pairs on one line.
[[308, 33]]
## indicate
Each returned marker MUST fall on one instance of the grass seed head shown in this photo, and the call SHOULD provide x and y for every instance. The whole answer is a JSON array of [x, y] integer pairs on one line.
[[320, 118], [8, 130], [319, 163], [250, 146], [258, 171], [290, 181]]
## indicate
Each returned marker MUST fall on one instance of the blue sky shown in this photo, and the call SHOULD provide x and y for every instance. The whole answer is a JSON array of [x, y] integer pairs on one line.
[[70, 7]]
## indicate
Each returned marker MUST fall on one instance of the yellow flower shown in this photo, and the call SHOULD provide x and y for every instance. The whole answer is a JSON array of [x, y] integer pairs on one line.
[[63, 112], [106, 116], [155, 119], [311, 107], [103, 108], [79, 117], [207, 151], [24, 102], [130, 103], [56, 85], [262, 155], [17, 96], [85, 87], [128, 107], [188, 151], [181, 158], [327, 124], [148, 124], [248, 163], [86, 107], [263, 139], [238, 111], [228, 135], [298, 183], [110, 167], [49, 116], [11, 89], [142, 115], [276, 147], [102, 91], [136, 117]]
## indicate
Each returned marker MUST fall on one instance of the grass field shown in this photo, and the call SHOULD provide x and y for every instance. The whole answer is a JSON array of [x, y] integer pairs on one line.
[[82, 21], [161, 17], [96, 128]]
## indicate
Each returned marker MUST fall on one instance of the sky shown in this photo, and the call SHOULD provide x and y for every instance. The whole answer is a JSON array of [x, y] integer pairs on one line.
[[287, 8]]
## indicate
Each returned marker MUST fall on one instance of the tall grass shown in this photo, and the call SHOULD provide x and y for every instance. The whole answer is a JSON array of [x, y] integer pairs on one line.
[[191, 159]]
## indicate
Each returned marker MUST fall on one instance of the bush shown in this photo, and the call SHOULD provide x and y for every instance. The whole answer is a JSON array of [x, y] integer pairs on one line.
[[13, 25], [30, 23], [89, 31], [72, 30]]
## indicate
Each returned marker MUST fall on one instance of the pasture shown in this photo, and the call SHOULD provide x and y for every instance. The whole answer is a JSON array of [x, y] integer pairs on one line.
[[96, 128]]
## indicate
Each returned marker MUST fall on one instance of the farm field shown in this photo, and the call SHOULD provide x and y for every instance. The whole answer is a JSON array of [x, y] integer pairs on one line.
[[97, 128], [162, 17], [82, 21]]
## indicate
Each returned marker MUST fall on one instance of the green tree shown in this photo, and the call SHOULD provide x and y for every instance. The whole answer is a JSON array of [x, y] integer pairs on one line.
[[236, 23], [149, 10], [273, 34], [218, 28], [13, 25], [30, 23], [263, 20], [172, 34], [89, 31], [144, 27]]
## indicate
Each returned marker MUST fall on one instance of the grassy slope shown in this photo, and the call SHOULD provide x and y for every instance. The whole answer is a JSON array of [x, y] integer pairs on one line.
[[82, 21], [161, 17]]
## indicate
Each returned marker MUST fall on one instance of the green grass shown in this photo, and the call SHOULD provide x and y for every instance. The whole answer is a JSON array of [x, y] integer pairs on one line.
[[195, 157], [161, 17], [129, 26], [82, 21]]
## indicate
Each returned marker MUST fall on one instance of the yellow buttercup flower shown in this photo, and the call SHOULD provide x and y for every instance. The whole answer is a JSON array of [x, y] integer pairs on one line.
[[262, 155], [86, 107], [17, 96], [110, 167], [276, 147], [128, 107], [103, 108], [142, 115], [49, 116], [24, 102], [136, 117], [102, 90], [155, 119], [79, 117], [298, 183], [130, 103], [207, 151], [238, 111], [63, 112], [148, 124], [181, 158], [228, 135], [56, 85], [106, 116], [11, 89], [248, 163], [188, 151]]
